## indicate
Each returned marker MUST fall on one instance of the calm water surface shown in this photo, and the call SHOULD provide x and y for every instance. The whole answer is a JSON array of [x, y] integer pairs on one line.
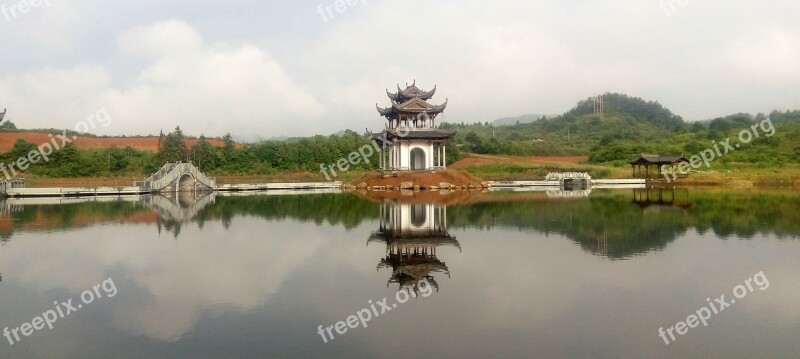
[[572, 275]]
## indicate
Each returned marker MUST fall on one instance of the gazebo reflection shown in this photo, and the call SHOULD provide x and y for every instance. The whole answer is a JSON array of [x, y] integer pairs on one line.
[[652, 199], [412, 234]]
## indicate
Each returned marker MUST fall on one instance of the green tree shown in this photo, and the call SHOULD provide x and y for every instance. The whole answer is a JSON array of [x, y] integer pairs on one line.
[[202, 152], [474, 141], [173, 148], [21, 149]]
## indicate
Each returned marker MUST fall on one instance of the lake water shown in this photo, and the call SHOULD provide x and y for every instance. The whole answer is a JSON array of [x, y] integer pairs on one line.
[[504, 274]]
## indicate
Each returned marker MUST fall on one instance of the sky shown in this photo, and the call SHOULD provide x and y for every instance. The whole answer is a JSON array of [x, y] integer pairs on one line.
[[264, 69]]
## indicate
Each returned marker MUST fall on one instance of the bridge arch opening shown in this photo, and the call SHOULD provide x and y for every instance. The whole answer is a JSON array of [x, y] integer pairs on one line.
[[186, 182]]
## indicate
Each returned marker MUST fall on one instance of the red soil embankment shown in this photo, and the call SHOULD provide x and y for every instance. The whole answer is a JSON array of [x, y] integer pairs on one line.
[[478, 160], [149, 143]]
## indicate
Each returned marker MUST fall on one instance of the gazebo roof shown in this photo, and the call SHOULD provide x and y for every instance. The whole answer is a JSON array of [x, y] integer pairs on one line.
[[643, 159]]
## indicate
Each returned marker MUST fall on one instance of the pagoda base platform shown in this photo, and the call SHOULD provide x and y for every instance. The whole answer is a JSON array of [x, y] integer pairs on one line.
[[435, 180]]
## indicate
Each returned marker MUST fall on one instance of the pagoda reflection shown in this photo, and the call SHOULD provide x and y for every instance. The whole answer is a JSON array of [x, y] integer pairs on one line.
[[412, 234]]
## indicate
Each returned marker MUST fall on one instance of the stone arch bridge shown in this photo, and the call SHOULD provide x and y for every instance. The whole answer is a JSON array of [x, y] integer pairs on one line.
[[177, 177]]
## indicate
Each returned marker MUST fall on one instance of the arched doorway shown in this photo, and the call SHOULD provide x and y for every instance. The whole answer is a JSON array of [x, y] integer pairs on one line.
[[417, 159]]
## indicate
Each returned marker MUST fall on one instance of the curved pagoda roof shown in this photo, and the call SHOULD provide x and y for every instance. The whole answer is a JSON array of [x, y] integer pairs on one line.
[[413, 106], [410, 101], [391, 134], [410, 92], [424, 240]]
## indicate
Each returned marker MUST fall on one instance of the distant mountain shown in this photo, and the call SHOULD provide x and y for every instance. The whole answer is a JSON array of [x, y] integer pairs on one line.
[[510, 121]]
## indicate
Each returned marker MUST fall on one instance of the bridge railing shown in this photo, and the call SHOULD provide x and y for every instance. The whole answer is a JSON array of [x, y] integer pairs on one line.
[[560, 176], [172, 172], [14, 183], [163, 171]]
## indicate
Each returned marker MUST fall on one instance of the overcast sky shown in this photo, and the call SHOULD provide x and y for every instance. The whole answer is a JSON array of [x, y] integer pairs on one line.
[[269, 68]]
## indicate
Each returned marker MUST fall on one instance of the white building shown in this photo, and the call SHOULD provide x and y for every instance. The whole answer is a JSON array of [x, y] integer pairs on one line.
[[411, 141]]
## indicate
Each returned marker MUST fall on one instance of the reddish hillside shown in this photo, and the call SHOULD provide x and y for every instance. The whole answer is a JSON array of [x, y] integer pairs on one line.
[[480, 160], [7, 140]]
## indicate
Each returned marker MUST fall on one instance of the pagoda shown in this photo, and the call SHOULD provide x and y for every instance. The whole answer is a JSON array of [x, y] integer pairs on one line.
[[412, 233], [411, 140]]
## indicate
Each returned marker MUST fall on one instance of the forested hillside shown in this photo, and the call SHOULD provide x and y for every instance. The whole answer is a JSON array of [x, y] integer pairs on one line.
[[629, 126]]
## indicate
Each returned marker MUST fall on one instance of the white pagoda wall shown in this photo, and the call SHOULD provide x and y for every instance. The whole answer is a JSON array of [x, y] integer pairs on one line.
[[400, 219], [404, 149]]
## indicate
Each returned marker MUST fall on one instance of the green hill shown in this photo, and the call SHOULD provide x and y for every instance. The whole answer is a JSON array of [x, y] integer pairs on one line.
[[630, 126]]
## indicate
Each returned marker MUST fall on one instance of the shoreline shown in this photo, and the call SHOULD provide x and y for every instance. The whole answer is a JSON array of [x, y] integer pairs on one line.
[[735, 181], [486, 168]]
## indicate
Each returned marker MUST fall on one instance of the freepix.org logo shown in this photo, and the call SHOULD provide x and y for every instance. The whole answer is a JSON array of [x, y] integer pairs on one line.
[[720, 149], [13, 11], [60, 311], [57, 142]]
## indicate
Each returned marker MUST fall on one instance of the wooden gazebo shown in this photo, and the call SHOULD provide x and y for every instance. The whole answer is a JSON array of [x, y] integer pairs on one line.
[[641, 165]]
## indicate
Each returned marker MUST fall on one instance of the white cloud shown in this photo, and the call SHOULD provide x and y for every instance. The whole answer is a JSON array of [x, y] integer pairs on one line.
[[770, 55], [305, 76], [177, 281], [206, 88]]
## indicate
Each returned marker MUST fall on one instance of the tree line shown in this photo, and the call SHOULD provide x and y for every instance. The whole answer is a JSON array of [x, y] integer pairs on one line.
[[266, 157]]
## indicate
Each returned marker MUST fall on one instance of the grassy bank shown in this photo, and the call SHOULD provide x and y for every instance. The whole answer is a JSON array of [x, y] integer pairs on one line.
[[731, 174], [493, 168]]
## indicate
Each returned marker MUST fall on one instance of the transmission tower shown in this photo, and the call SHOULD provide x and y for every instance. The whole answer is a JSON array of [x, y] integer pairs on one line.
[[598, 105]]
